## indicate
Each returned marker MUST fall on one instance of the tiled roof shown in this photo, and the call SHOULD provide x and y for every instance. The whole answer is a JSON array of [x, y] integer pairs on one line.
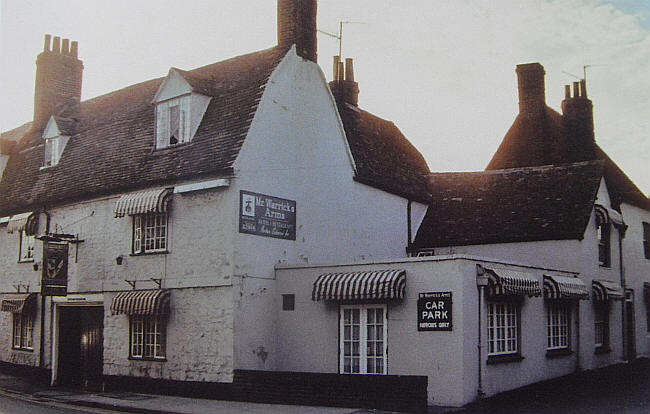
[[543, 140], [384, 158], [113, 149], [511, 205]]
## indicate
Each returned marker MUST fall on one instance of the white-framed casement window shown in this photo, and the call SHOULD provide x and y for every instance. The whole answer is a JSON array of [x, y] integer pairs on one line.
[[23, 328], [558, 316], [604, 248], [503, 328], [26, 247], [601, 325], [150, 233], [148, 337], [363, 339], [173, 122]]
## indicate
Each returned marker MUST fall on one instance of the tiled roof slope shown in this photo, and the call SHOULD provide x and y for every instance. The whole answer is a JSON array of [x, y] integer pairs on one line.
[[113, 149], [535, 141], [384, 158], [511, 205]]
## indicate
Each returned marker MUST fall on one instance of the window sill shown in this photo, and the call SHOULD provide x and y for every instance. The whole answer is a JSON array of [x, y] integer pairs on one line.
[[26, 261], [172, 147], [555, 353], [148, 359], [150, 253], [602, 350], [503, 359], [22, 349]]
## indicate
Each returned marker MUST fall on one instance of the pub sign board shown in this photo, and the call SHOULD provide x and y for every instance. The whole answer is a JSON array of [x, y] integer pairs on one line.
[[434, 311], [268, 216], [55, 269]]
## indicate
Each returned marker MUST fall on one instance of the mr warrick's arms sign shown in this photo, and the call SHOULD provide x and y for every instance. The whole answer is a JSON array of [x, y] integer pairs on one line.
[[267, 216]]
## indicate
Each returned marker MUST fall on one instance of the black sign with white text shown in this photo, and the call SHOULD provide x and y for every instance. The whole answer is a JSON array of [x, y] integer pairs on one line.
[[434, 311], [267, 216]]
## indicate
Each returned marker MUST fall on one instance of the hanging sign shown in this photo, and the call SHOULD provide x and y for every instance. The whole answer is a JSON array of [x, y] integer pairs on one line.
[[267, 216], [434, 311], [55, 269]]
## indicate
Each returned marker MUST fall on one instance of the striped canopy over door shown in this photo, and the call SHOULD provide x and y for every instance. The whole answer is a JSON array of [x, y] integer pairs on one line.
[[562, 287], [507, 282], [379, 284], [607, 290], [141, 302], [143, 202]]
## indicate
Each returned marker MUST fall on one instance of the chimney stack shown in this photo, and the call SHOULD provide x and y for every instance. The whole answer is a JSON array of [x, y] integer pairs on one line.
[[343, 87], [58, 79], [578, 117], [297, 25], [532, 94]]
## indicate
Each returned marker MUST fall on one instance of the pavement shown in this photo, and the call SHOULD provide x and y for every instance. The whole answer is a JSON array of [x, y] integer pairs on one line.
[[620, 388]]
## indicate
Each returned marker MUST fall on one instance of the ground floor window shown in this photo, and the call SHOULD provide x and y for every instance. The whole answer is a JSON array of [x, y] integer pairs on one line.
[[601, 325], [148, 337], [503, 328], [557, 325], [23, 328], [363, 339]]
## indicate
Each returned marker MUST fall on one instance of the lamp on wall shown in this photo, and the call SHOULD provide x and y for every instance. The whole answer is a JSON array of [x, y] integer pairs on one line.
[[35, 267], [119, 259]]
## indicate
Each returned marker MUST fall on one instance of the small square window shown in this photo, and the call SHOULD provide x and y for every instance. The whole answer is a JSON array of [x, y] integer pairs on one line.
[[646, 240], [503, 328], [172, 122], [148, 337], [23, 329], [362, 336], [601, 325], [288, 302], [557, 325], [604, 248]]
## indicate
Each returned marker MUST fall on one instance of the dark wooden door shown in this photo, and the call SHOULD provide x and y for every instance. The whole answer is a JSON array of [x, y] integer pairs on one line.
[[81, 346]]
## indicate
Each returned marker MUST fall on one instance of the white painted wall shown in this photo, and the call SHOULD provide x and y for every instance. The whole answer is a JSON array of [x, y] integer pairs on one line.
[[308, 336], [296, 149]]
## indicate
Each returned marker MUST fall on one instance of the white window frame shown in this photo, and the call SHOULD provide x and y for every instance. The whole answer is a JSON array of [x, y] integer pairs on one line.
[[23, 331], [558, 325], [150, 233], [26, 247], [362, 341], [148, 337], [164, 121], [503, 328]]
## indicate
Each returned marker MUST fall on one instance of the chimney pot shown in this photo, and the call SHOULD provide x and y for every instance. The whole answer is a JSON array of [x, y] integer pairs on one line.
[[567, 91], [65, 47], [74, 49], [583, 88], [46, 46], [349, 70], [340, 73], [335, 69], [56, 46]]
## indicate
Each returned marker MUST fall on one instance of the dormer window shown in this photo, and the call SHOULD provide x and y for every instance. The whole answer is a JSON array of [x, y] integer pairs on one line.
[[172, 119], [55, 140], [179, 108]]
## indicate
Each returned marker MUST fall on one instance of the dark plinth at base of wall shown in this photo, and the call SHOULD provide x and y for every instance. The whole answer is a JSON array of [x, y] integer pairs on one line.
[[35, 375], [404, 393]]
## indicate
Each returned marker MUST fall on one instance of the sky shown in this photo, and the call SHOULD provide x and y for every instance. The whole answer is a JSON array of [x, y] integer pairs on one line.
[[442, 71]]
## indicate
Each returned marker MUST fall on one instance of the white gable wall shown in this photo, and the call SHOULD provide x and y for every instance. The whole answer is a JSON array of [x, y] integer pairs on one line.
[[296, 149]]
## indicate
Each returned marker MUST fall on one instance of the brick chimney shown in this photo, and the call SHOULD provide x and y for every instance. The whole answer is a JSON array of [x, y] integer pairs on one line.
[[58, 79], [578, 117], [532, 95], [343, 87], [297, 25]]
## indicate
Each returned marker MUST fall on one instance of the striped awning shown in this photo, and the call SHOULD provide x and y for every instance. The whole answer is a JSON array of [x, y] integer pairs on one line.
[[18, 302], [608, 215], [141, 302], [562, 287], [24, 221], [512, 283], [150, 201], [607, 290], [379, 284]]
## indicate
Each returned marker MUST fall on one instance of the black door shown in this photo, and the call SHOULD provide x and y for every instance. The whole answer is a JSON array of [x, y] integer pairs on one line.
[[81, 346]]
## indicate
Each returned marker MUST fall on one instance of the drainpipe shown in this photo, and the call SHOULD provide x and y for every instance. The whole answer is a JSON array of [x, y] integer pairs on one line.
[[621, 234], [578, 335], [481, 283], [41, 352], [408, 227]]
